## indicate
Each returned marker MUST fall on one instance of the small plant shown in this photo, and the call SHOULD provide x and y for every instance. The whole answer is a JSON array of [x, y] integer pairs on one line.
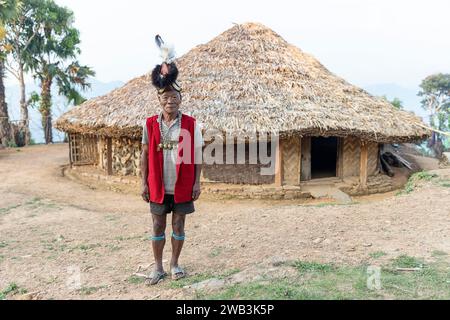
[[377, 254], [304, 267], [405, 261], [11, 144], [215, 252], [415, 178], [135, 279], [12, 288], [439, 253], [89, 290]]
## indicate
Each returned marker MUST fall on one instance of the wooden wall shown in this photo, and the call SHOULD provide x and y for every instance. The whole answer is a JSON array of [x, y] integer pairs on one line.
[[351, 157]]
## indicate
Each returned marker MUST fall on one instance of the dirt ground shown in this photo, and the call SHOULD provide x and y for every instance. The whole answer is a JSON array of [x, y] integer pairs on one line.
[[55, 232]]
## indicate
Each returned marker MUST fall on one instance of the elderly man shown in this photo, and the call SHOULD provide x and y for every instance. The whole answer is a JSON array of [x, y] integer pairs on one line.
[[171, 166]]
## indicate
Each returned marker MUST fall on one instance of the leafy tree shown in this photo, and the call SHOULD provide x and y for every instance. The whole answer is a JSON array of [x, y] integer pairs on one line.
[[8, 10], [397, 103], [18, 41], [436, 100], [52, 55]]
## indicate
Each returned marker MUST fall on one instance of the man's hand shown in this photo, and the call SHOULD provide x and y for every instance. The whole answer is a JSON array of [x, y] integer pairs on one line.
[[196, 191], [145, 193]]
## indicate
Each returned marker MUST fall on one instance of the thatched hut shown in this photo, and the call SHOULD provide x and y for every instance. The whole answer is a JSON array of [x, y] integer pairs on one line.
[[245, 81]]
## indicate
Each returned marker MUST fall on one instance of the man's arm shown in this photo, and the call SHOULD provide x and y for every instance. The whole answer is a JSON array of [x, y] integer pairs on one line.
[[196, 190], [198, 160], [144, 173]]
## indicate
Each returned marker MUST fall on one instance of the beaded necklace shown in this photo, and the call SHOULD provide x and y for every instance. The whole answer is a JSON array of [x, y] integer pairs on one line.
[[166, 142]]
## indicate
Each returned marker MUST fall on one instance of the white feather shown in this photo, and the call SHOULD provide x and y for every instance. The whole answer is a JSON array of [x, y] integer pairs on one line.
[[167, 53]]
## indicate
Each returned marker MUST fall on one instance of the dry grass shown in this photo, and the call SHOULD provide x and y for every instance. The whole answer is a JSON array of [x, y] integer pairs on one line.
[[247, 80]]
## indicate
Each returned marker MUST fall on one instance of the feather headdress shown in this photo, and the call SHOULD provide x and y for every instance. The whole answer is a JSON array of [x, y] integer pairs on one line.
[[164, 75]]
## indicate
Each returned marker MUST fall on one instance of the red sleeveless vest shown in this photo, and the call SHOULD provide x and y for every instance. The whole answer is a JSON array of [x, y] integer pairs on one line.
[[185, 171]]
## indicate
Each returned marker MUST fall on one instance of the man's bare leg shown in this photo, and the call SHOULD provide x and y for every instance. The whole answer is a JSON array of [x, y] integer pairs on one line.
[[159, 227], [178, 228]]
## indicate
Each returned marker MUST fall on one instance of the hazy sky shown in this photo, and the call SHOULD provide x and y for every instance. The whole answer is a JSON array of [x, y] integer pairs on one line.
[[365, 42]]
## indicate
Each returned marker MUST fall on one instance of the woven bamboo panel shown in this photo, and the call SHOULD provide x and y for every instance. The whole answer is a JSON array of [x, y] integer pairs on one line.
[[291, 161], [83, 149], [372, 161], [351, 156]]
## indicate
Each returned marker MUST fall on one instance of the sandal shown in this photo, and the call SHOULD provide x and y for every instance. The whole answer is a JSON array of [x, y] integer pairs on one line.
[[177, 273], [155, 277]]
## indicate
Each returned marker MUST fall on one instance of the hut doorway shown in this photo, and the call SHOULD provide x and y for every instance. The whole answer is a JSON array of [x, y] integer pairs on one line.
[[324, 154]]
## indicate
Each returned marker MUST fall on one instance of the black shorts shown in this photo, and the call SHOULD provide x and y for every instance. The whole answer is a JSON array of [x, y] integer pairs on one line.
[[169, 206]]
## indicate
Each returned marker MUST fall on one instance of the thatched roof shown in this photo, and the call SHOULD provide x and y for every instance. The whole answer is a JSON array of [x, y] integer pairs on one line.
[[249, 79]]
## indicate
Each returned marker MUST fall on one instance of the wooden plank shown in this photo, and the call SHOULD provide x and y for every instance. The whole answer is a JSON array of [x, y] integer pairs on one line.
[[291, 161], [109, 156], [299, 171], [305, 159], [363, 164], [279, 164], [340, 158], [70, 149], [351, 156]]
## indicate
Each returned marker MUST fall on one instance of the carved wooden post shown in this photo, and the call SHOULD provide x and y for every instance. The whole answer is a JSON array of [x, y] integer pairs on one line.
[[279, 164], [109, 156]]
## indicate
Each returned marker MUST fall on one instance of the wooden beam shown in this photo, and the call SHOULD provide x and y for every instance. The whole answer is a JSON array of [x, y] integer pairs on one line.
[[363, 164], [299, 172], [109, 156], [340, 158], [305, 156], [279, 164], [70, 149]]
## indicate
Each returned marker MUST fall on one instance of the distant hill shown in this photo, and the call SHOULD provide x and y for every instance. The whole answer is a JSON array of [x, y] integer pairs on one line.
[[409, 97], [59, 105]]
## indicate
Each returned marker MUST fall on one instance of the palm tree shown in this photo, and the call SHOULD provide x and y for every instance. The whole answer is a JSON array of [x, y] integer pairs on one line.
[[8, 10], [52, 57]]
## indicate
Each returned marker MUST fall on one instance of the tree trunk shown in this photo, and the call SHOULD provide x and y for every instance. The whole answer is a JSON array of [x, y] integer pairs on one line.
[[46, 108], [25, 122], [5, 129]]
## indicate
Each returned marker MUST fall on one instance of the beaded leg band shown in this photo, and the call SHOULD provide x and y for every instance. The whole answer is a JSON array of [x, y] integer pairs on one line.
[[158, 238], [178, 237]]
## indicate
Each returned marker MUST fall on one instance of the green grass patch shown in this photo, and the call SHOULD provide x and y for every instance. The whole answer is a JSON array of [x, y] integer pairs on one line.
[[414, 180], [7, 210], [328, 204], [439, 253], [444, 183], [304, 267], [405, 261], [135, 280], [189, 280], [113, 247], [377, 254], [13, 289], [85, 291], [87, 247], [325, 281], [112, 217], [215, 252], [3, 244]]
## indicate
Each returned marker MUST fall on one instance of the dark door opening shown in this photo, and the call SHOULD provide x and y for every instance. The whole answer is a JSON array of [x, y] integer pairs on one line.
[[323, 157]]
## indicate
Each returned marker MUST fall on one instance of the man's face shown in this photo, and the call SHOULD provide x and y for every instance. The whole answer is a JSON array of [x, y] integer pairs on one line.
[[170, 101]]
